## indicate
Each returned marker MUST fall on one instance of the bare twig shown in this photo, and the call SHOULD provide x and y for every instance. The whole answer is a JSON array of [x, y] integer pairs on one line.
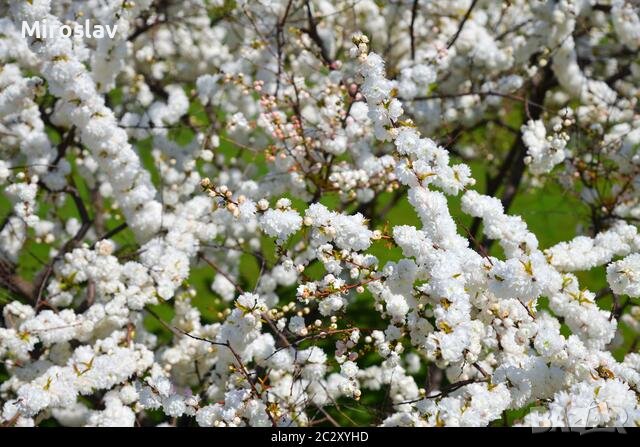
[[69, 245], [464, 20], [229, 278], [414, 11]]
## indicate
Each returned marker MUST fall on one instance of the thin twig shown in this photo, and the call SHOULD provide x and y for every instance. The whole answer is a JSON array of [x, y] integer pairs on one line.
[[414, 11], [464, 20]]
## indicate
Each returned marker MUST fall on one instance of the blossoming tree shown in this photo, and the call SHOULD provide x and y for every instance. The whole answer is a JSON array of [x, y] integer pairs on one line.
[[299, 212]]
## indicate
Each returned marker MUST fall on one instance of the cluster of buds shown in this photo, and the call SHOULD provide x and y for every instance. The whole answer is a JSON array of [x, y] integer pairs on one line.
[[278, 124], [560, 125], [238, 80], [345, 348], [361, 43], [224, 194]]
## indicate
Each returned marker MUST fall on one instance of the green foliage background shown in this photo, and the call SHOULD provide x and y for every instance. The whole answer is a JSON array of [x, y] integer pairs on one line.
[[551, 213]]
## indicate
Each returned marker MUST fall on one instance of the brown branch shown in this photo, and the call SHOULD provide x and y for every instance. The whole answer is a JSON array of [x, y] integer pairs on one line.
[[512, 170], [214, 266], [274, 328], [322, 334], [328, 416], [312, 32], [414, 11], [482, 94], [98, 210], [280, 43], [12, 281], [64, 145], [109, 234], [68, 246], [450, 389], [464, 20]]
